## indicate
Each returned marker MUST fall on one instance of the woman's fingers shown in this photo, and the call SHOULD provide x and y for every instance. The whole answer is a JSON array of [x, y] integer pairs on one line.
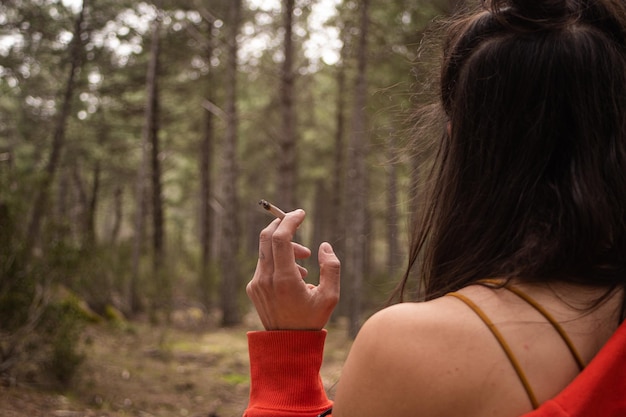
[[265, 264], [283, 250], [278, 290], [303, 271], [300, 251], [330, 272]]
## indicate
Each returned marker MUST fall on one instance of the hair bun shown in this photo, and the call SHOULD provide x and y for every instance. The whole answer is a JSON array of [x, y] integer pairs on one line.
[[533, 10]]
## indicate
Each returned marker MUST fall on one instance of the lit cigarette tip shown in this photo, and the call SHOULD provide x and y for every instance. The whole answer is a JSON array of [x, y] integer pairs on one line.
[[272, 208]]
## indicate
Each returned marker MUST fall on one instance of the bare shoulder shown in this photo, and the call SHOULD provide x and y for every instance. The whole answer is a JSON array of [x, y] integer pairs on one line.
[[417, 356], [441, 359]]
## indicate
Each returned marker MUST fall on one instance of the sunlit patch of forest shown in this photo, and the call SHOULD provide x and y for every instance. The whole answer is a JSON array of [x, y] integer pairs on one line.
[[136, 139]]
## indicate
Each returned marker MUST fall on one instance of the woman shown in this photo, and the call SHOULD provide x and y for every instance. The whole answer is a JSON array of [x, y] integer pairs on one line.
[[522, 246]]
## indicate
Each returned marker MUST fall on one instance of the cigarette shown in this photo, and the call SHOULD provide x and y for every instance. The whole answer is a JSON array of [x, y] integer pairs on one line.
[[272, 209]]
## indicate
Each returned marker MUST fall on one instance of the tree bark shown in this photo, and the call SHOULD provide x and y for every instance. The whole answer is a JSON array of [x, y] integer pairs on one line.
[[152, 123], [356, 186], [117, 215], [229, 248], [149, 155], [322, 213], [79, 202], [133, 300], [58, 140], [88, 198], [89, 233], [337, 223], [393, 244], [206, 160], [62, 195], [287, 165]]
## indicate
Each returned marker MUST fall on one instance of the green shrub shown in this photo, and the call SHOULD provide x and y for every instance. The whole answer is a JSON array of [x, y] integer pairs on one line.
[[63, 323]]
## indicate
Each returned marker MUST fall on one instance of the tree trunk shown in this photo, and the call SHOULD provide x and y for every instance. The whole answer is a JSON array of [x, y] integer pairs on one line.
[[89, 233], [149, 154], [62, 196], [152, 123], [229, 249], [322, 213], [393, 244], [58, 140], [337, 225], [133, 300], [87, 203], [287, 171], [79, 203], [206, 159], [161, 298], [356, 183], [117, 215]]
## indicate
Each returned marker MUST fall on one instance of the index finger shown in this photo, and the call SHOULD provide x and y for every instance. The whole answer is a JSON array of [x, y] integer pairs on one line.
[[265, 244], [282, 249]]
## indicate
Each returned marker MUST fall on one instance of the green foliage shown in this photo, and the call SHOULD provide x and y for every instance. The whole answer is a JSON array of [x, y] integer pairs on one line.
[[17, 285], [113, 315], [42, 320], [43, 336], [103, 140], [15, 301], [62, 327], [101, 276]]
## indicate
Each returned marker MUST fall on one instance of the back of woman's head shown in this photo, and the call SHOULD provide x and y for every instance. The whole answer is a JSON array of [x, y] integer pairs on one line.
[[531, 172]]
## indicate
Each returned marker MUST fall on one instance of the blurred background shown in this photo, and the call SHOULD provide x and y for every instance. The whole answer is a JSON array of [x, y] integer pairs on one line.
[[136, 139]]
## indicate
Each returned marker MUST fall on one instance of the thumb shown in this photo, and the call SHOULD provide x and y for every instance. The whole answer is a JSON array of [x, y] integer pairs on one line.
[[330, 270]]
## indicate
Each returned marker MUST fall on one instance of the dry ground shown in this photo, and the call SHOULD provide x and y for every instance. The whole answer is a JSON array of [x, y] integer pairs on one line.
[[136, 369]]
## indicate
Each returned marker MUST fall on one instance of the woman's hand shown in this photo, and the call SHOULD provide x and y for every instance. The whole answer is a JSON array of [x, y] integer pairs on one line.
[[282, 298]]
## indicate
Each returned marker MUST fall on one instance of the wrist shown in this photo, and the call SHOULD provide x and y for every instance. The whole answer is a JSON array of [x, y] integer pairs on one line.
[[284, 369]]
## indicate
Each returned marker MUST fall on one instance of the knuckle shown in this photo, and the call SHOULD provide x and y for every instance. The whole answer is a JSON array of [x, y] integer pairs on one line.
[[265, 235], [331, 266], [281, 238], [260, 283], [333, 298], [250, 288]]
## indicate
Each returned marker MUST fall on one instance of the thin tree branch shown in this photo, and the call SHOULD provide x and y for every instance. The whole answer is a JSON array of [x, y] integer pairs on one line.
[[213, 108]]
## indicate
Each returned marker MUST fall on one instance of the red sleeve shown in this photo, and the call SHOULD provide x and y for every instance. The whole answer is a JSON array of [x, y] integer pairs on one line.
[[599, 390], [284, 371]]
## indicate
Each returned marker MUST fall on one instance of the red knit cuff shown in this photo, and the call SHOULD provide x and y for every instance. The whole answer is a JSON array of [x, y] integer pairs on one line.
[[284, 370]]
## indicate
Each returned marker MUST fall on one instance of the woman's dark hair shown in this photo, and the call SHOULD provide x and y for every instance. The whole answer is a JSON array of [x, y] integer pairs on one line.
[[529, 179]]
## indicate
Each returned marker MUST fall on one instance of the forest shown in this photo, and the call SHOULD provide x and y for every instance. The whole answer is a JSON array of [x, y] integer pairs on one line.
[[136, 139]]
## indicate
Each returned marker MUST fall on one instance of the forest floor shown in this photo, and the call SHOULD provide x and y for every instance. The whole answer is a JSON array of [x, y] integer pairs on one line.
[[138, 369]]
